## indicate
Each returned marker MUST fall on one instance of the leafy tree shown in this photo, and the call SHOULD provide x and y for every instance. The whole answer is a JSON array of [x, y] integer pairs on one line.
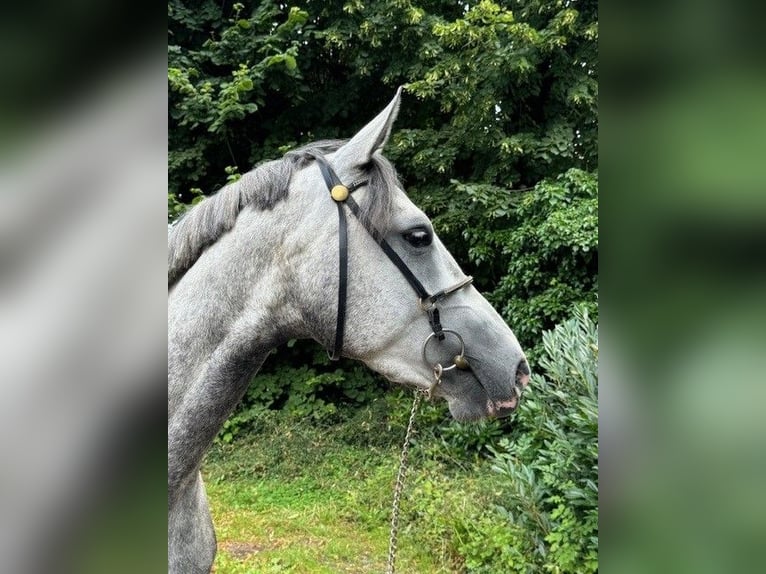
[[552, 254]]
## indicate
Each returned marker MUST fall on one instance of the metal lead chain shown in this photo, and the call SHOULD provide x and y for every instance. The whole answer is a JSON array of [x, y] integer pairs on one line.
[[400, 485]]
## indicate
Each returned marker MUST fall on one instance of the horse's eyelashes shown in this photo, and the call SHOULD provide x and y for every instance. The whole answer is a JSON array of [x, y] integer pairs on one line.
[[418, 237]]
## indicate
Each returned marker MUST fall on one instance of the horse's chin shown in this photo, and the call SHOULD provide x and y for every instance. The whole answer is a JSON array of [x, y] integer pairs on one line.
[[463, 411], [467, 406], [466, 412], [468, 399]]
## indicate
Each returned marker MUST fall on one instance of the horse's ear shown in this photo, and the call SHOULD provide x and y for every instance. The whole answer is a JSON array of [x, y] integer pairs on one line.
[[372, 137]]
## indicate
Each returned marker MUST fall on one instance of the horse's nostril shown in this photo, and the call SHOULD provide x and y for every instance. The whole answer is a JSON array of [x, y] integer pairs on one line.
[[522, 373]]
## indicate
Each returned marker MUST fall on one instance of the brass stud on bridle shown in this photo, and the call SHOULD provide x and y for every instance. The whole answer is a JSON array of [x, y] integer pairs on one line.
[[339, 193]]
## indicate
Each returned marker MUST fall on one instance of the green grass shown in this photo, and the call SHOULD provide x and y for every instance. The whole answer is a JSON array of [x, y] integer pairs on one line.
[[304, 498]]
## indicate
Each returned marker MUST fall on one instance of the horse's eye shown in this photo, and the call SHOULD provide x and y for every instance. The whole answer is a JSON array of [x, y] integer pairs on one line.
[[418, 237]]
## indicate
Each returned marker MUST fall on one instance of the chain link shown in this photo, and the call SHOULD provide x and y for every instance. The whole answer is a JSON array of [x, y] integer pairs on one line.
[[400, 485]]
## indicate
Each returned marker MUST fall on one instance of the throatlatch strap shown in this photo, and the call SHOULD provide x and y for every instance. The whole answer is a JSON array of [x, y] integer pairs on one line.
[[331, 179]]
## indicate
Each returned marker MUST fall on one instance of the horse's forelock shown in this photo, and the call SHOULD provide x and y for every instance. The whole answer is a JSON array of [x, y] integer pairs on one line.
[[383, 183], [382, 179]]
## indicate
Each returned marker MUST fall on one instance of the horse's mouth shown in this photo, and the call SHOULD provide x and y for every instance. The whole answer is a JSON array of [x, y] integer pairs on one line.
[[494, 407], [500, 409]]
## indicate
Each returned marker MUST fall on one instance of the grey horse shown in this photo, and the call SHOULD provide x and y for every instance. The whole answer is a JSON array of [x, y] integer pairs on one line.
[[258, 264]]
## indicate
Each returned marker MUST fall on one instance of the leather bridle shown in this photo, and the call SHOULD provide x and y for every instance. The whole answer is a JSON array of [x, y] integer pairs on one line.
[[341, 194]]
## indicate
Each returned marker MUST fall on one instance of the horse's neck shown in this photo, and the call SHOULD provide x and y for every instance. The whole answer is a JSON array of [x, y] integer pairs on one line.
[[228, 309]]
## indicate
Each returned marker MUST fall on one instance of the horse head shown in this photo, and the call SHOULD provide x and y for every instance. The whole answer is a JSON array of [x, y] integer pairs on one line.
[[466, 354]]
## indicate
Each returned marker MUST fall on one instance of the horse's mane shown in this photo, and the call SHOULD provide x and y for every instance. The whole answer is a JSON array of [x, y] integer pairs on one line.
[[262, 188]]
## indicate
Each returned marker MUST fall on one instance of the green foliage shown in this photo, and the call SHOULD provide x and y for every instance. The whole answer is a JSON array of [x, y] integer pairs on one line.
[[303, 392], [471, 438], [552, 255], [176, 208], [224, 61]]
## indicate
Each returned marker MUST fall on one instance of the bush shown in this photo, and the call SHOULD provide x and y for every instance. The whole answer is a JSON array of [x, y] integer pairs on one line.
[[549, 467], [552, 257], [303, 392]]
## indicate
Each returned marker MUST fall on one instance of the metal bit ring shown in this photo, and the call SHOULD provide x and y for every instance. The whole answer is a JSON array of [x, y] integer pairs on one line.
[[451, 332]]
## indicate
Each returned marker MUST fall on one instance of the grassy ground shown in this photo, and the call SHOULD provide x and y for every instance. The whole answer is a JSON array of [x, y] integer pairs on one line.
[[301, 498]]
